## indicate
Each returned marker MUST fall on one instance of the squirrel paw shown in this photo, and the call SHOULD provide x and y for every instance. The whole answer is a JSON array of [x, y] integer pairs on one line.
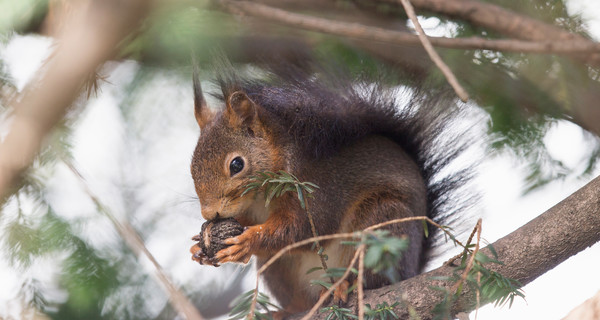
[[241, 247], [199, 256]]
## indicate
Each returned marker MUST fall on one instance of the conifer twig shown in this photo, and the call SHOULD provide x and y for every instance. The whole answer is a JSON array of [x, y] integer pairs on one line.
[[318, 245], [471, 259], [359, 282], [435, 57], [324, 296]]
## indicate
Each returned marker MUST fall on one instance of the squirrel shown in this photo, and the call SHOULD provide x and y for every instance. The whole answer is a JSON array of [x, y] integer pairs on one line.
[[372, 159]]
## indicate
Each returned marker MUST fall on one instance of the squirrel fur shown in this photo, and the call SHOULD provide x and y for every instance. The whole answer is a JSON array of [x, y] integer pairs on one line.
[[373, 161]]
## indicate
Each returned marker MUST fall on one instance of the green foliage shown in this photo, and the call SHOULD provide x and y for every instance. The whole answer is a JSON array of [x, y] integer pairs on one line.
[[338, 313], [276, 184], [243, 303], [492, 286], [384, 252], [331, 273], [23, 15], [382, 311], [87, 277]]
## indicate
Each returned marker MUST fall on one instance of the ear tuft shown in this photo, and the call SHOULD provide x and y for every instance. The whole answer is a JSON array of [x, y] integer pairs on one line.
[[201, 111]]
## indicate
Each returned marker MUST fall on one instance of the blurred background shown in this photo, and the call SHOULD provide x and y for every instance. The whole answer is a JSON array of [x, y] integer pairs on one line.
[[130, 134]]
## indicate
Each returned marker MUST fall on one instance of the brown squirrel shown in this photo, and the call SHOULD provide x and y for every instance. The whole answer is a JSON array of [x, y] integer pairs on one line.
[[372, 160]]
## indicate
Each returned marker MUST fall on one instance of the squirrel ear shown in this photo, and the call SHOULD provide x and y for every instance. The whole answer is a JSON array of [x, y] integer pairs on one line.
[[240, 109], [203, 114]]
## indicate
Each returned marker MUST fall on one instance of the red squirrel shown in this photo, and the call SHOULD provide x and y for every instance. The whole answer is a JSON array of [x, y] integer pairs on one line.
[[372, 159]]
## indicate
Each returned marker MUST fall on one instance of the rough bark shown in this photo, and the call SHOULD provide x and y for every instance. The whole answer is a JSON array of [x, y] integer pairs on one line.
[[530, 251]]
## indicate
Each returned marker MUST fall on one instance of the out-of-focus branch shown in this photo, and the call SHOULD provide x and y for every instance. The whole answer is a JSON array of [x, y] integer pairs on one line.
[[496, 18], [589, 310], [360, 31], [133, 240], [91, 35]]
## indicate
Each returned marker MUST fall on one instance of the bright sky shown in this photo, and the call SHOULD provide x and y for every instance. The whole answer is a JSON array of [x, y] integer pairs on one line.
[[551, 296]]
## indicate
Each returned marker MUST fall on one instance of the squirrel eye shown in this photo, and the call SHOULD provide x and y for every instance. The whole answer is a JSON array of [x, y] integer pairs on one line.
[[236, 165]]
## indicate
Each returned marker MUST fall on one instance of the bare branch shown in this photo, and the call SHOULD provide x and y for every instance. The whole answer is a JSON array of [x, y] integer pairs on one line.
[[435, 57]]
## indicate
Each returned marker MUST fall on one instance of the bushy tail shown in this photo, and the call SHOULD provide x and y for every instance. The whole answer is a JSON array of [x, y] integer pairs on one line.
[[325, 109]]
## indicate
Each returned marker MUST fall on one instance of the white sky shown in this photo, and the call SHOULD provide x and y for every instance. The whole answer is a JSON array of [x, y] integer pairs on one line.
[[97, 150]]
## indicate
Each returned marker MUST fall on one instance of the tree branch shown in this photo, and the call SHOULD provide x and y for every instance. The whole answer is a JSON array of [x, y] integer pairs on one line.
[[179, 301], [90, 38], [496, 18], [548, 240], [359, 31], [504, 21]]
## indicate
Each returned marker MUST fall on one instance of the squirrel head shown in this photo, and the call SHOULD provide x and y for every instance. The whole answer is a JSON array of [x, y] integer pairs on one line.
[[234, 145]]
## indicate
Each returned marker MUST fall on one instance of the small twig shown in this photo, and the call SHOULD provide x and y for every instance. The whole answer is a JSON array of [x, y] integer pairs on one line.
[[359, 281], [318, 245], [298, 244], [132, 239], [254, 300], [465, 251], [417, 218], [471, 259], [435, 57], [324, 297], [357, 234], [478, 295]]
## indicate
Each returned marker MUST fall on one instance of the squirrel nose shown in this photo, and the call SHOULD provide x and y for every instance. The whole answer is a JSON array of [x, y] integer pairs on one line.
[[209, 213]]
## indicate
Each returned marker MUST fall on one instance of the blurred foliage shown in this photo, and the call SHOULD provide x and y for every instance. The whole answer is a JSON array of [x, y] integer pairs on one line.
[[21, 16], [523, 96]]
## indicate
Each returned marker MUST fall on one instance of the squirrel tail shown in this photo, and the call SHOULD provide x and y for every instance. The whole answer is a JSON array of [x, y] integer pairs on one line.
[[324, 109]]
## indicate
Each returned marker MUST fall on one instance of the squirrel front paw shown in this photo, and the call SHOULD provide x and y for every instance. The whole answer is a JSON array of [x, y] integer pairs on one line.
[[202, 258], [240, 247]]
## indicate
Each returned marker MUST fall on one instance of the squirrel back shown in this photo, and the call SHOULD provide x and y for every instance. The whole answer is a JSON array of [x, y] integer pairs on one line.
[[373, 157], [324, 113]]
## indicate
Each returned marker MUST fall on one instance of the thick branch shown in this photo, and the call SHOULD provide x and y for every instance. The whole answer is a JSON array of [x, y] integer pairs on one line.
[[527, 253]]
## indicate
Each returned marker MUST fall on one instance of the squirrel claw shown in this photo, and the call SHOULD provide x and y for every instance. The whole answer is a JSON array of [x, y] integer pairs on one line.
[[234, 253], [241, 247], [199, 256]]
